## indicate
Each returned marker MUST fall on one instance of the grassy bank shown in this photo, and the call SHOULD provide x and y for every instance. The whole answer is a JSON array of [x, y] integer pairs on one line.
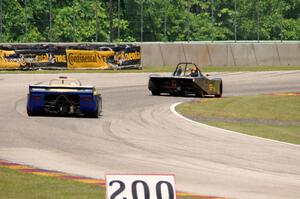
[[168, 69], [268, 116], [15, 184]]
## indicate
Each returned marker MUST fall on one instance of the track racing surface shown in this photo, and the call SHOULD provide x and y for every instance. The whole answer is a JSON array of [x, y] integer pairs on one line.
[[138, 133]]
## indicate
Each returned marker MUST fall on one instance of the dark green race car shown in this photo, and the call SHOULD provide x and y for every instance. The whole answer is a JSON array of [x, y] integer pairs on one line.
[[186, 79]]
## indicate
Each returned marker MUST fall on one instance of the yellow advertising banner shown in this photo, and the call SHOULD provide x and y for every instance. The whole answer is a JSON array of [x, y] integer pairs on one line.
[[8, 63], [127, 56], [88, 59]]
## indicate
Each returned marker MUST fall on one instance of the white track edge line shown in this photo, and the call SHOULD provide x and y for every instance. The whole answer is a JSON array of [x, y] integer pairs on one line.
[[172, 108]]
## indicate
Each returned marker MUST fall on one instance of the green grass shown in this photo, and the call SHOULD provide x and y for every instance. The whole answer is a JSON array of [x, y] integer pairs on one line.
[[273, 117], [18, 185], [161, 69]]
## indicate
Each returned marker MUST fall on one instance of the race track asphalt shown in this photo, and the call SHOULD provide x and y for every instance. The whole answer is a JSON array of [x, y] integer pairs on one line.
[[138, 133]]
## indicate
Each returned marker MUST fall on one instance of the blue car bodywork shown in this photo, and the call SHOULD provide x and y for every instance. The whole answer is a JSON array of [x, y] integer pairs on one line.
[[64, 99]]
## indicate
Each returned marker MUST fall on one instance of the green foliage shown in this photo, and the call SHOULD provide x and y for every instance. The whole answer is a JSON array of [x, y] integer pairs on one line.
[[168, 20], [85, 22]]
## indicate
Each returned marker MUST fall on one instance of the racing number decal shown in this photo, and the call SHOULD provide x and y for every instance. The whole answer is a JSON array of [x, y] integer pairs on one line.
[[211, 87], [140, 187]]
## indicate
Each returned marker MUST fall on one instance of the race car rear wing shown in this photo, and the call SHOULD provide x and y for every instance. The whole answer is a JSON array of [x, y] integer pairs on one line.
[[50, 87]]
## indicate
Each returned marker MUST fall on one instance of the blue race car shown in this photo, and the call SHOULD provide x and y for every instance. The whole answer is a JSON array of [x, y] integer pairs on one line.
[[64, 96]]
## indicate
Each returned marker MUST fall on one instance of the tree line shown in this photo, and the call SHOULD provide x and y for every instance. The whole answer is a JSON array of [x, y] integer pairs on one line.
[[148, 20]]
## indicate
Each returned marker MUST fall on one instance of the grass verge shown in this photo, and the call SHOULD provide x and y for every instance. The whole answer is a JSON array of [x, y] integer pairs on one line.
[[168, 69], [15, 184], [268, 116]]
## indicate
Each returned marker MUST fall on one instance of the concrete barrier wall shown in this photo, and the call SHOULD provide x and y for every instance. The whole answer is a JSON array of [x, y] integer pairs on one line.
[[221, 54]]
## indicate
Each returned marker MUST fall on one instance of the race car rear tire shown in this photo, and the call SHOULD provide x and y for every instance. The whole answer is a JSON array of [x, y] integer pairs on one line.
[[219, 95], [153, 88], [199, 93], [31, 113], [94, 114], [97, 112], [155, 93]]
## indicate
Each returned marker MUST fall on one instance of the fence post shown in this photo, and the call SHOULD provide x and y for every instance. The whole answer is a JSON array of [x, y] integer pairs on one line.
[[257, 20], [281, 21], [50, 21], [142, 20], [212, 21], [25, 10], [119, 20], [97, 7], [110, 21], [165, 21], [74, 25], [1, 21], [188, 21], [235, 22]]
